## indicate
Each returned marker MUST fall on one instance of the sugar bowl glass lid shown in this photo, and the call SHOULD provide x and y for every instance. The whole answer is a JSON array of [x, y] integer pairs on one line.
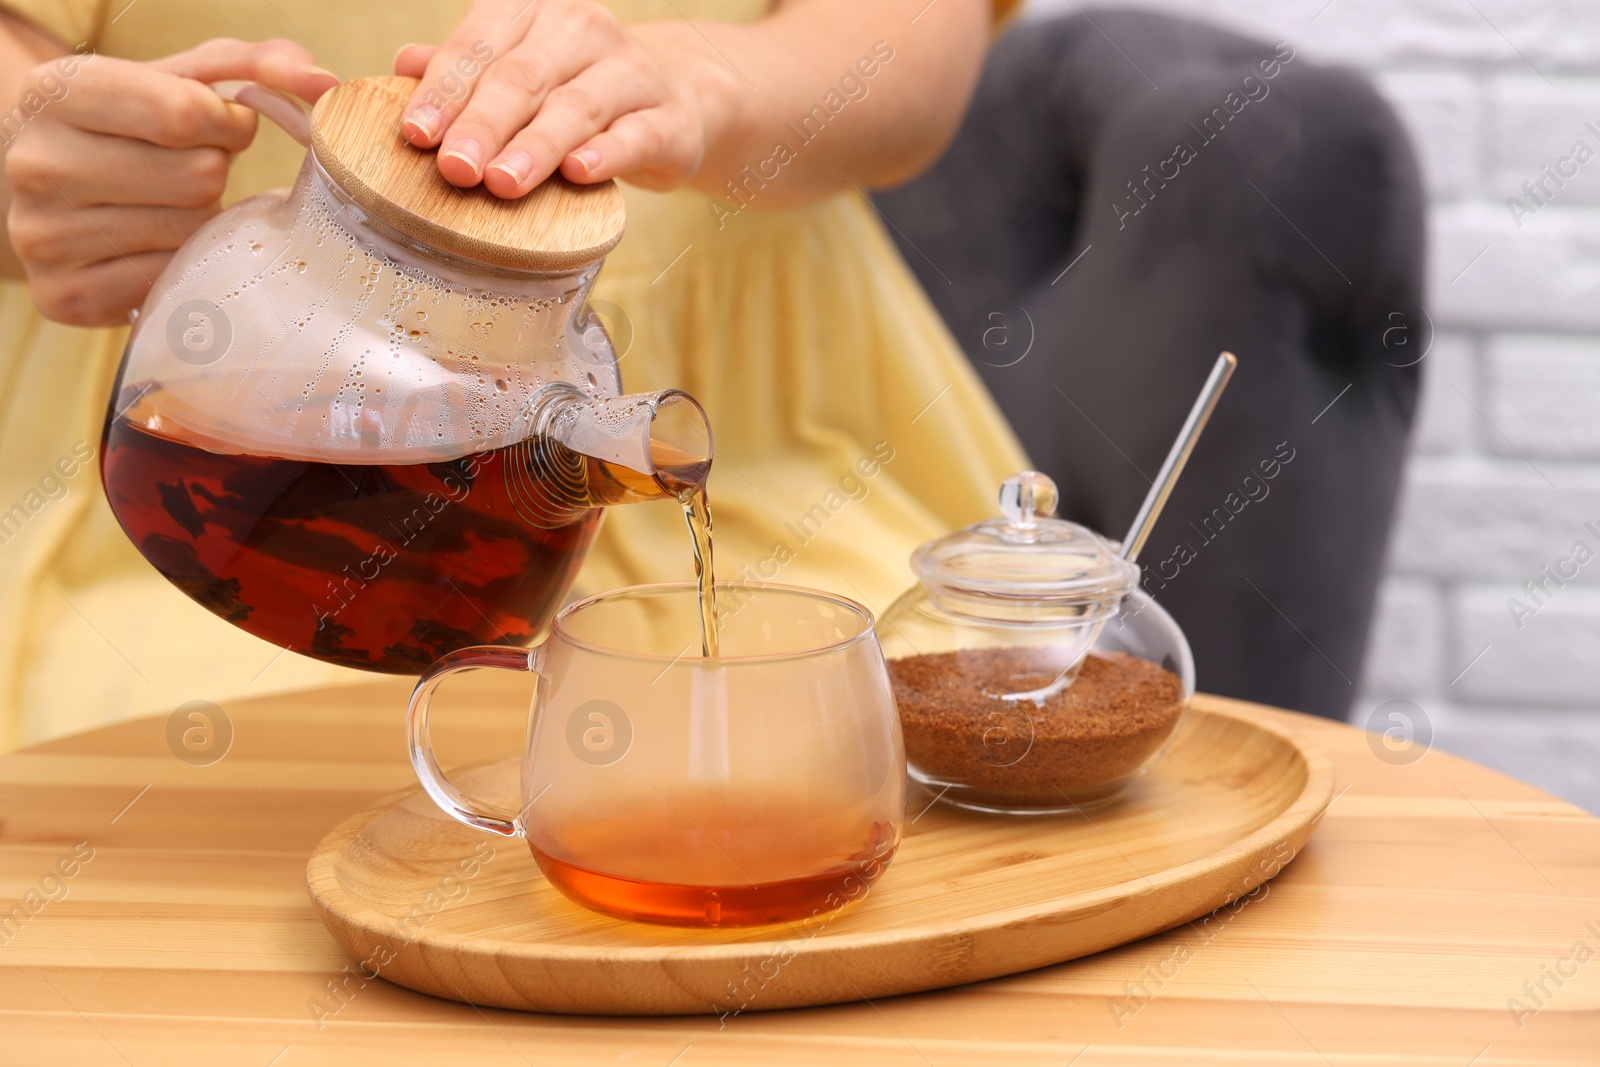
[[1027, 554]]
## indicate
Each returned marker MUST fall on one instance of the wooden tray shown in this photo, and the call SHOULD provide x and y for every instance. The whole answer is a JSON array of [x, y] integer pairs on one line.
[[436, 907]]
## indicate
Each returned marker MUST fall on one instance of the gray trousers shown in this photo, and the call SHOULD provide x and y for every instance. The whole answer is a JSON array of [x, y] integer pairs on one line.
[[1132, 193]]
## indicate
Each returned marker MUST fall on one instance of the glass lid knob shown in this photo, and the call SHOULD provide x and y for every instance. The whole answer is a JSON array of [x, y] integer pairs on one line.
[[1028, 498]]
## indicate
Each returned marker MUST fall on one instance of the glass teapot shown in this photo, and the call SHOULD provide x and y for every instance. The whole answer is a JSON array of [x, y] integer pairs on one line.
[[372, 418]]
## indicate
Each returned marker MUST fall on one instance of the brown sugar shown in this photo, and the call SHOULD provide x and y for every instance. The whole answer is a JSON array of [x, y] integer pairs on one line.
[[1051, 749]]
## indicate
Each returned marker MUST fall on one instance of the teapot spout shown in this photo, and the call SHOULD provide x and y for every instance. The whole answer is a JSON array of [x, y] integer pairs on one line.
[[592, 452]]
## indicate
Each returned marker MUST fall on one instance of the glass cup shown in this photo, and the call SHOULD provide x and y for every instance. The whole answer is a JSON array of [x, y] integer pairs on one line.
[[762, 785]]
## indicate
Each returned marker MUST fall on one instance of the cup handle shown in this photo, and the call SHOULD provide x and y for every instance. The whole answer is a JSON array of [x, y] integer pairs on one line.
[[288, 115], [450, 799]]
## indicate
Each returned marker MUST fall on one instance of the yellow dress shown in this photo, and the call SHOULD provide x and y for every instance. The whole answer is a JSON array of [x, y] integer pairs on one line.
[[801, 331]]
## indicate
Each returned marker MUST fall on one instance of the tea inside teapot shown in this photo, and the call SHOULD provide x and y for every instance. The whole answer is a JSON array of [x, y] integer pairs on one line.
[[385, 566]]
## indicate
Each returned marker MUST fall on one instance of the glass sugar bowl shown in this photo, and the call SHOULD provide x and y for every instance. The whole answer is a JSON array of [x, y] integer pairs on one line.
[[1032, 674]]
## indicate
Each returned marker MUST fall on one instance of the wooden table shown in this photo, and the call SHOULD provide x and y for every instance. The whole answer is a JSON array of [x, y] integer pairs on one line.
[[1427, 898]]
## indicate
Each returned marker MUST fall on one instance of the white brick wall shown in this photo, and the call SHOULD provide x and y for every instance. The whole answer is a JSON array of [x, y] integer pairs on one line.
[[1408, 640], [1506, 456], [1444, 112], [1531, 124], [1445, 423], [1548, 662], [1541, 392]]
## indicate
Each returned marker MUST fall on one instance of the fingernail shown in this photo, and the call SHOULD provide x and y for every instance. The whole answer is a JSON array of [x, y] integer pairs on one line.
[[398, 51], [470, 153], [588, 158], [423, 121], [515, 164], [318, 72]]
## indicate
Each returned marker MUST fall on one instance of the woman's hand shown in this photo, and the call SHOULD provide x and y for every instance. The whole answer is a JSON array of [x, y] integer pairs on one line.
[[117, 170], [524, 88], [521, 90]]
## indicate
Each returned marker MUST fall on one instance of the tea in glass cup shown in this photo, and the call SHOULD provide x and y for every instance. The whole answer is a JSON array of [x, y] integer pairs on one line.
[[761, 785]]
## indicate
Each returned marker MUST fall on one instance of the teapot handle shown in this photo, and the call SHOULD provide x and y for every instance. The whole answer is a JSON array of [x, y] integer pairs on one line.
[[288, 115], [450, 799]]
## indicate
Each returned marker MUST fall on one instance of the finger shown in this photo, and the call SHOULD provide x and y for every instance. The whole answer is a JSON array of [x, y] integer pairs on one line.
[[278, 64], [510, 94], [68, 236], [572, 114], [490, 28], [653, 148], [411, 61], [91, 169], [101, 294], [126, 99]]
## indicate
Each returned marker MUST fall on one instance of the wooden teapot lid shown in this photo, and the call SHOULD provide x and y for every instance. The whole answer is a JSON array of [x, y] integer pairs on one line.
[[558, 226]]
